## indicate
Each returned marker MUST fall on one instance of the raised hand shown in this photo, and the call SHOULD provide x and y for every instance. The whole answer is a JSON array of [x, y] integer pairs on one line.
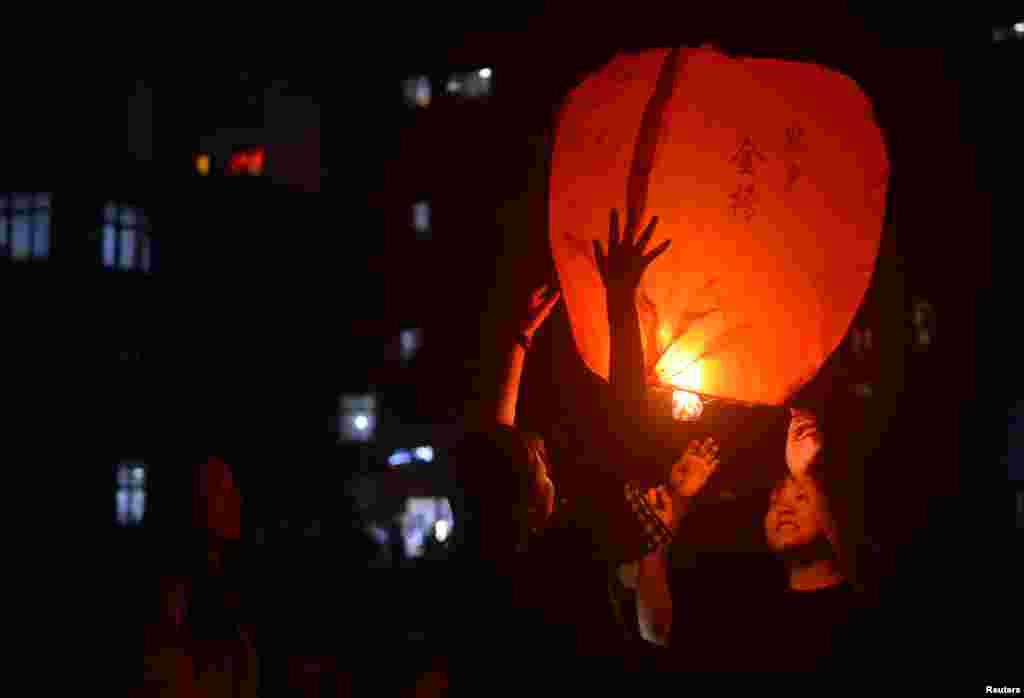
[[804, 442], [662, 503], [542, 300], [691, 472], [625, 263]]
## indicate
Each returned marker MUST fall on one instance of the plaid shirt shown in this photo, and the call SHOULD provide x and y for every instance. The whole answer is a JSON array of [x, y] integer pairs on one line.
[[656, 533]]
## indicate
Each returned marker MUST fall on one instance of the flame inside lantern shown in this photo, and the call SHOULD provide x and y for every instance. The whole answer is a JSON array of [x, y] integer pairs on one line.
[[684, 375], [686, 406]]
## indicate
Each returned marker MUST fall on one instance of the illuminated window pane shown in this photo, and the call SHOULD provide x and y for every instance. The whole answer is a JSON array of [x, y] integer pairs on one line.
[[420, 522], [357, 418], [417, 91], [110, 213], [22, 202], [128, 248], [358, 402], [400, 457], [130, 498], [41, 242], [144, 263], [923, 317], [129, 217], [109, 246], [472, 85], [130, 506], [378, 533], [22, 235], [411, 341], [421, 218]]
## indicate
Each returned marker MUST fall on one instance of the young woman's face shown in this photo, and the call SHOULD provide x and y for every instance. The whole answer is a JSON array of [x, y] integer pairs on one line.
[[795, 516]]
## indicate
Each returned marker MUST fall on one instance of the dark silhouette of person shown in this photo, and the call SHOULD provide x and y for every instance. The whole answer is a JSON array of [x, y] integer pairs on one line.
[[202, 641], [809, 624], [534, 568]]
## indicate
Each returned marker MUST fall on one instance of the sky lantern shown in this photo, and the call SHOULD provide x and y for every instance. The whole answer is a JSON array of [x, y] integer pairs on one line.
[[769, 177]]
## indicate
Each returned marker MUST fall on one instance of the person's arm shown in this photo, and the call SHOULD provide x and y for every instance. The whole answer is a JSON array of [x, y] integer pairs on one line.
[[542, 300], [621, 270], [626, 409], [654, 599], [807, 462], [651, 581], [805, 445], [653, 593]]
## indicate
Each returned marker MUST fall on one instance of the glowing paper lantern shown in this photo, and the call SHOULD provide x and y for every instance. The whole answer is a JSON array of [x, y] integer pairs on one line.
[[770, 178]]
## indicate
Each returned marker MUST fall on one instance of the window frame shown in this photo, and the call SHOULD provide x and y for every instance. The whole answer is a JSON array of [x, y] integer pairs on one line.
[[39, 209], [113, 220]]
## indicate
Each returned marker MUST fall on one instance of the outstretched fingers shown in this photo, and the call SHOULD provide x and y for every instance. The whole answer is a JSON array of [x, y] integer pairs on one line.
[[656, 252], [647, 234], [601, 259]]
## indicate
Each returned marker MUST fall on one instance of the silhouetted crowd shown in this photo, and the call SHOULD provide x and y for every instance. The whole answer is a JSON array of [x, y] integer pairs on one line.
[[571, 565]]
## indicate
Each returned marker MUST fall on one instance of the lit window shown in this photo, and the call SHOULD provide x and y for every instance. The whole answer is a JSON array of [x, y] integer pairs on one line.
[[378, 533], [417, 91], [863, 390], [25, 226], [400, 457], [357, 418], [125, 241], [471, 85], [411, 340], [203, 164], [247, 162], [421, 219], [130, 498], [923, 317], [1015, 31], [861, 342], [420, 522]]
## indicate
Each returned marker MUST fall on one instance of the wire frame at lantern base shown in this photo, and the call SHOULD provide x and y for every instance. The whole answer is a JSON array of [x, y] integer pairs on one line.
[[683, 405]]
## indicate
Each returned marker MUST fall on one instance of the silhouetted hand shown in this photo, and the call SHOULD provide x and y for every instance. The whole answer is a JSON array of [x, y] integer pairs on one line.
[[625, 263], [542, 300], [803, 442]]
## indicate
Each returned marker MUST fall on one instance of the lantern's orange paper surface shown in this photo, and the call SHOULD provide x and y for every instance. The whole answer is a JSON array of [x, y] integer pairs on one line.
[[769, 177]]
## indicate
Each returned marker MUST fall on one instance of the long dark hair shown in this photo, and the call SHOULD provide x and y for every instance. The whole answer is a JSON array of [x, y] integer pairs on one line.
[[495, 472]]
